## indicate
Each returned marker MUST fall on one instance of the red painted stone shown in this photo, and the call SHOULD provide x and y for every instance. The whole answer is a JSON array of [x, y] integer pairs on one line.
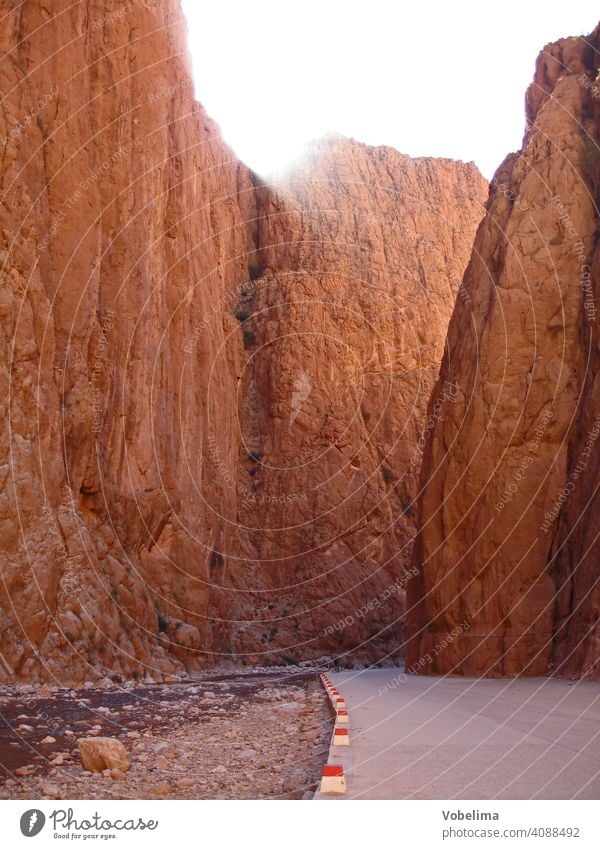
[[329, 771]]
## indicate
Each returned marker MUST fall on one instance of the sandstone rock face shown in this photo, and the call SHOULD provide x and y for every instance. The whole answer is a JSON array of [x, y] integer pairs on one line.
[[121, 229], [508, 545], [359, 254], [213, 390], [100, 753]]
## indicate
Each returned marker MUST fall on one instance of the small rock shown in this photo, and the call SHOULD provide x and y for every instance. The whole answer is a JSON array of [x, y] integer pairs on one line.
[[117, 775], [161, 789], [23, 771], [48, 789], [161, 762], [185, 782], [57, 761], [48, 740]]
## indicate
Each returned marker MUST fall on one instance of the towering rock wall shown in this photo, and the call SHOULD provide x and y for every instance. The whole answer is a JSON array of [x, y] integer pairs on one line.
[[213, 389], [508, 545], [122, 227], [359, 254]]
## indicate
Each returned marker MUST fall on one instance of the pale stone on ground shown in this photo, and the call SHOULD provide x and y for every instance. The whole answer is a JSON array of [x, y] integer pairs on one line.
[[100, 753]]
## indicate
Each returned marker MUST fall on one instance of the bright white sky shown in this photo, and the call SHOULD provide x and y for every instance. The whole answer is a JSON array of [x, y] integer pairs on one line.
[[428, 78]]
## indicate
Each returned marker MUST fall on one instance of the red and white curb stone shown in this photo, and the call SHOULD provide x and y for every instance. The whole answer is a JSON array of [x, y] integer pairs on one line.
[[340, 737], [333, 780]]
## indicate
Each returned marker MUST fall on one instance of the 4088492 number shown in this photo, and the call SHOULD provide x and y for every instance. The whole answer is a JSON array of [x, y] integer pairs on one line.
[[546, 831]]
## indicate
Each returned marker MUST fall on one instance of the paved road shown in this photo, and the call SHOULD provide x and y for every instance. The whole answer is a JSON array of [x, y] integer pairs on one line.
[[415, 737]]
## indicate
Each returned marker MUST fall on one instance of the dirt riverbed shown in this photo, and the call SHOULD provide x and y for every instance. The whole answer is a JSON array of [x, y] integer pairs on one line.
[[236, 736]]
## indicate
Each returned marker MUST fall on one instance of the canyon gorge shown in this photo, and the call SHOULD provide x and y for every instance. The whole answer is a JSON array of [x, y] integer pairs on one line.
[[256, 421]]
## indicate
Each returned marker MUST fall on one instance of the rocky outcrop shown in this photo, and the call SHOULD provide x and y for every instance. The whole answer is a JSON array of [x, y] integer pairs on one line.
[[507, 551], [214, 390]]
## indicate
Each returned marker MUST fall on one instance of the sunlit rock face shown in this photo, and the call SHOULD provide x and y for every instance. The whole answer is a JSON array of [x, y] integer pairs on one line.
[[508, 548], [122, 227], [359, 255], [214, 390]]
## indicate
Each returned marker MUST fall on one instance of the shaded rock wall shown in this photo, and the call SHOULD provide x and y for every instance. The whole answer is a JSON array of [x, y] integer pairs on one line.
[[508, 547]]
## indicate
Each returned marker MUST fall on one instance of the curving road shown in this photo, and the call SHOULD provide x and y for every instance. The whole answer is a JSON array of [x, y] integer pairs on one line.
[[415, 737]]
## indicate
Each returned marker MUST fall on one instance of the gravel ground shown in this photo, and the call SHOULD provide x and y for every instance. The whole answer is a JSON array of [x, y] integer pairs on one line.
[[247, 737]]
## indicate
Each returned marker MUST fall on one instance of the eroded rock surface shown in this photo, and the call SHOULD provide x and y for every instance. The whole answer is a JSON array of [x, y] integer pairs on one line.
[[360, 252], [121, 229], [508, 547], [180, 483]]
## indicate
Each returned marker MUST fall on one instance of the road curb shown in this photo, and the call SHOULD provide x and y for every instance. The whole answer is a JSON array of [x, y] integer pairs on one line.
[[333, 777], [332, 780]]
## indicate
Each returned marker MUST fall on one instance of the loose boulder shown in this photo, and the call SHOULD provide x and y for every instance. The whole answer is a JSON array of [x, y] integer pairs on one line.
[[100, 753]]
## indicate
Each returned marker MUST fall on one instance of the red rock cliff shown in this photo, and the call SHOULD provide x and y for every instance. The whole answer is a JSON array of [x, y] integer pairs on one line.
[[508, 547], [121, 229], [213, 390], [359, 255]]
